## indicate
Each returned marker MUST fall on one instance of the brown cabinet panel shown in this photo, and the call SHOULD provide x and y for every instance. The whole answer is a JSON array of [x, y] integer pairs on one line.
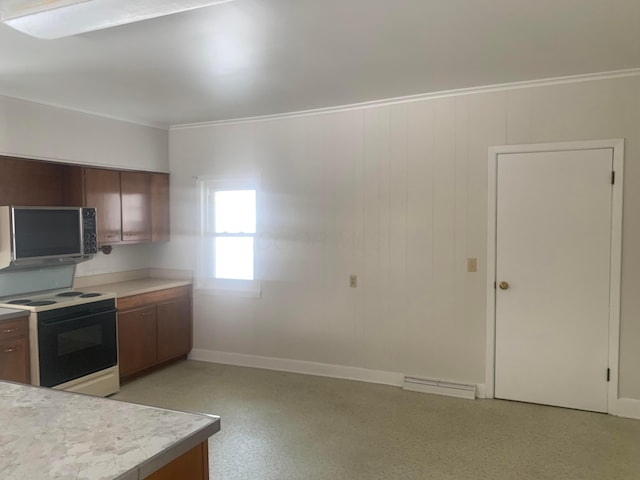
[[14, 350], [164, 335], [102, 191], [153, 298], [72, 186], [30, 182], [133, 207], [136, 339], [135, 188], [160, 222], [193, 465], [174, 329], [14, 358]]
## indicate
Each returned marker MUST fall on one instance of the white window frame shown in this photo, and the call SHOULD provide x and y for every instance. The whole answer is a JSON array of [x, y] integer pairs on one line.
[[205, 280]]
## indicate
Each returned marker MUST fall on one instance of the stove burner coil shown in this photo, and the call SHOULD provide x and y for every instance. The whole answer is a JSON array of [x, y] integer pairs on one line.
[[69, 294], [23, 301]]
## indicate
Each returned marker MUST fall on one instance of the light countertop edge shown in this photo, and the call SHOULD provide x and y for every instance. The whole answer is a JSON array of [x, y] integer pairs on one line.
[[129, 288], [145, 466], [10, 313]]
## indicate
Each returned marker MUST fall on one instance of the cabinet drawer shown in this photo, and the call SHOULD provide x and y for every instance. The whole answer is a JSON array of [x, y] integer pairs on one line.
[[14, 328], [153, 298], [14, 360]]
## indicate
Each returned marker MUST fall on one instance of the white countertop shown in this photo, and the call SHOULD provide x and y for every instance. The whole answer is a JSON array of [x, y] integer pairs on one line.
[[53, 435], [136, 287], [9, 313]]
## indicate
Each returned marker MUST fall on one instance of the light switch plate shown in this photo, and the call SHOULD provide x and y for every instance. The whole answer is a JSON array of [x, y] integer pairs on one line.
[[472, 264]]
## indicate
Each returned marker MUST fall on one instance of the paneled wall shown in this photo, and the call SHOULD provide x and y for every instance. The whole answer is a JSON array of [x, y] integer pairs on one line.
[[397, 195]]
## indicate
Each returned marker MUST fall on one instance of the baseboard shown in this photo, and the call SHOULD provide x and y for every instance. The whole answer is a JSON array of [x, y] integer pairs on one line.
[[298, 366], [308, 368], [628, 407]]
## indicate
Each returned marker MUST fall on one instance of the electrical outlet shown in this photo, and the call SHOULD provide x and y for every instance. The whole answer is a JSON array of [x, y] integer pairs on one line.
[[353, 281], [472, 264]]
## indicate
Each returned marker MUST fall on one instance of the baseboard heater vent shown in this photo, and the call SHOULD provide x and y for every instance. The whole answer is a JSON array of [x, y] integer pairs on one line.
[[439, 387]]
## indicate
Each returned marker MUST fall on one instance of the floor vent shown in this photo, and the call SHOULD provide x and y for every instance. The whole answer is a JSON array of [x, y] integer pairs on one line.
[[439, 387]]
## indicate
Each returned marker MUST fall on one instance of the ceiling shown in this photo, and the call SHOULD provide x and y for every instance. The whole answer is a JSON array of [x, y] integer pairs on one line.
[[260, 57]]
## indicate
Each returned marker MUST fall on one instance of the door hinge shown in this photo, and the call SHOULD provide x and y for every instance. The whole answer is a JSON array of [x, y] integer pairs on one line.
[[495, 285], [608, 374], [613, 178]]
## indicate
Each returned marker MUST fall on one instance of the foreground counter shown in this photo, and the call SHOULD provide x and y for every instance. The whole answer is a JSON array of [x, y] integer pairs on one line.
[[50, 434]]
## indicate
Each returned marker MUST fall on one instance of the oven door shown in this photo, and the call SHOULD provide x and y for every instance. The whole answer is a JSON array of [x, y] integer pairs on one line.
[[75, 347]]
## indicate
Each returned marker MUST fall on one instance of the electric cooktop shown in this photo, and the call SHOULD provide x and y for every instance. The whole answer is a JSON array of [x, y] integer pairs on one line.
[[53, 300]]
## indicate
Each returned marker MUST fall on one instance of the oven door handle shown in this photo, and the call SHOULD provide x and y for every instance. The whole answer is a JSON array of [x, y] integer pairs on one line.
[[64, 320]]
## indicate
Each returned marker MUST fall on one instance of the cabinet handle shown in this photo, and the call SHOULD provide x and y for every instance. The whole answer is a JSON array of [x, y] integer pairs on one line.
[[10, 330], [10, 350], [146, 314], [111, 235]]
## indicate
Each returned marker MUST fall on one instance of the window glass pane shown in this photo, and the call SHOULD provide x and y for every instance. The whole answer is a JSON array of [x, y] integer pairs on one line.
[[235, 211], [234, 258]]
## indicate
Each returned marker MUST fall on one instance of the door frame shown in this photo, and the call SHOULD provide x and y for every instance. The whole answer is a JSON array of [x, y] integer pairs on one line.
[[617, 146]]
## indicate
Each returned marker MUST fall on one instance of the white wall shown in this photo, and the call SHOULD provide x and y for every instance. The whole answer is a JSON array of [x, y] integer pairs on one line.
[[398, 195], [38, 131]]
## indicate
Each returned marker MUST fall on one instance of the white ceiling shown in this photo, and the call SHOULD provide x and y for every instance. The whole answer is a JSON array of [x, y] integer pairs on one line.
[[258, 57]]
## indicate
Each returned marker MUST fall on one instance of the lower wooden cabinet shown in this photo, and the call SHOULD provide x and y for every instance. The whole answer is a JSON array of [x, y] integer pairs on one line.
[[137, 339], [174, 329], [14, 350], [153, 328], [193, 465]]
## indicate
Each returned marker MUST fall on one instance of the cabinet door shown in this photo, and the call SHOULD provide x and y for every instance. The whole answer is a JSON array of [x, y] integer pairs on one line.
[[136, 206], [159, 207], [174, 329], [136, 339], [14, 360], [30, 183], [102, 191]]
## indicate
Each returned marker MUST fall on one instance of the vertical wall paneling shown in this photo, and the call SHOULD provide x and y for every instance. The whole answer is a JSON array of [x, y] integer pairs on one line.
[[419, 307], [461, 209], [397, 195], [397, 267], [444, 207]]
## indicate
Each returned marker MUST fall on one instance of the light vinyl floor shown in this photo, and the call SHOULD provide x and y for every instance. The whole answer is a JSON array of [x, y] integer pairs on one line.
[[284, 426]]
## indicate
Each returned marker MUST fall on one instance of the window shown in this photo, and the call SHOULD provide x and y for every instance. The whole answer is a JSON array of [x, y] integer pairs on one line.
[[228, 237]]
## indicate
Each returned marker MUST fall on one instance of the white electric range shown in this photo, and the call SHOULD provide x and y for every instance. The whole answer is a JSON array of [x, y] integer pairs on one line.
[[73, 336]]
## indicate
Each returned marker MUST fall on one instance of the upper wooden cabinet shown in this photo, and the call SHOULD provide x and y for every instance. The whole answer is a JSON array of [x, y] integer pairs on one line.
[[35, 183], [133, 207], [160, 207], [135, 189], [102, 191]]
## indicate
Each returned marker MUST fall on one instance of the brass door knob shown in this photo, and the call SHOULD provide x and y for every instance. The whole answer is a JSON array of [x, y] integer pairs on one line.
[[504, 285]]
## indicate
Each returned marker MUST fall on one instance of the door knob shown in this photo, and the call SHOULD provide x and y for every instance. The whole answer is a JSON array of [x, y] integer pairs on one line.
[[504, 285]]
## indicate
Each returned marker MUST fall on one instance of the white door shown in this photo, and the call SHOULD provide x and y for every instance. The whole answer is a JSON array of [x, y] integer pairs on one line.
[[553, 251]]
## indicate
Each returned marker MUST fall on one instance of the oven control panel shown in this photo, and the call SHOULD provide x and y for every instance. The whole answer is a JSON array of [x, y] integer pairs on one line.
[[90, 231]]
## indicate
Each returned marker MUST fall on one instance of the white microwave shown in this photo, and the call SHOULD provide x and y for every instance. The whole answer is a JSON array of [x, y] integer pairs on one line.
[[36, 237]]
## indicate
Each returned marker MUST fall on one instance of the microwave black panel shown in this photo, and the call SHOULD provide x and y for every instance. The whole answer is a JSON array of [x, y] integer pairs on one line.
[[46, 232]]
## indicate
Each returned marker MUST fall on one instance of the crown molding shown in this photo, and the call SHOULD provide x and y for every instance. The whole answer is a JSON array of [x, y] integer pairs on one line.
[[633, 72], [84, 112]]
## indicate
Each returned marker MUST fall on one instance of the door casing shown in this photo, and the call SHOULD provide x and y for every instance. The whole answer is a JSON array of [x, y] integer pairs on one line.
[[617, 145]]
